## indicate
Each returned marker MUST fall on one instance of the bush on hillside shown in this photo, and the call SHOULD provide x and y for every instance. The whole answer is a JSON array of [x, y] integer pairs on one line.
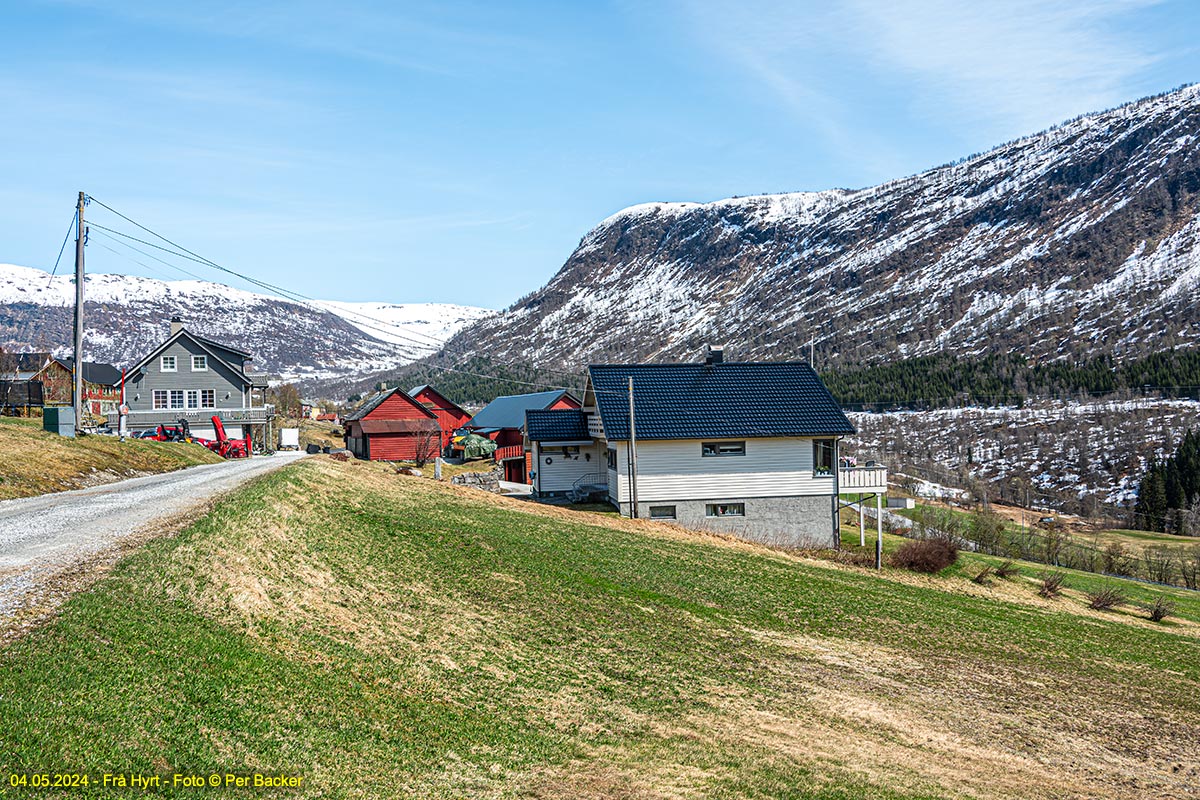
[[925, 555], [1161, 608], [1007, 568], [984, 576], [1106, 599]]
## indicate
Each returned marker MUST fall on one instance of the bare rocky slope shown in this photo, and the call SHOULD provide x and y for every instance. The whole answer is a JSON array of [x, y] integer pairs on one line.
[[1076, 241]]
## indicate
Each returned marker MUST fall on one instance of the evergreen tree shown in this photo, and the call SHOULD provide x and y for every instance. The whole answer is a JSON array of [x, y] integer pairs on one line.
[[1150, 511]]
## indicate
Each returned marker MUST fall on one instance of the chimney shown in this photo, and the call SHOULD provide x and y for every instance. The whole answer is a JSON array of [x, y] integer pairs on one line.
[[176, 325], [716, 355]]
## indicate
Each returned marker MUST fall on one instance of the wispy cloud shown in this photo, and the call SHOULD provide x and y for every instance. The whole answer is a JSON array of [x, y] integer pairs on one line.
[[427, 39], [1018, 65], [994, 69]]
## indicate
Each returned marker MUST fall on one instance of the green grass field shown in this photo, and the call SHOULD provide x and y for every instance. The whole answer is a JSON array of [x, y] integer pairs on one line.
[[385, 636], [33, 461]]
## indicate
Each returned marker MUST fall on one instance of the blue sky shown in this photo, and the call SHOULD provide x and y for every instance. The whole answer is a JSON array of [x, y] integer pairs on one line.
[[457, 152]]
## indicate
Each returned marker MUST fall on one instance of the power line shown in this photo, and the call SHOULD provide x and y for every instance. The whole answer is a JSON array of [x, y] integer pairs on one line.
[[147, 255], [390, 329], [62, 249]]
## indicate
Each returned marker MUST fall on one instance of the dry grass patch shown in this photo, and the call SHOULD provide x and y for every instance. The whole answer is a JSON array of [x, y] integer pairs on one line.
[[33, 461]]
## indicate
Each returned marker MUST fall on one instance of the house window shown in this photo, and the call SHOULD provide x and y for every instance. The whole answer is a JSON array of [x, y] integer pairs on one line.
[[823, 456], [723, 449], [160, 398], [177, 398], [193, 398], [612, 459], [662, 512], [199, 363], [167, 364], [725, 510], [208, 398]]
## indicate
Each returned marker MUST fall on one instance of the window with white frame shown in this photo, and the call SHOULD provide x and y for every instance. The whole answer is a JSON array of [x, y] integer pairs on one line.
[[177, 398], [723, 449], [167, 364], [725, 510], [193, 398], [160, 398], [199, 363], [612, 459], [823, 456], [208, 398]]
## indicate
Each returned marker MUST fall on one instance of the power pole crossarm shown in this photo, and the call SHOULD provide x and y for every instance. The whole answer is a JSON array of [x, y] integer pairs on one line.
[[78, 389]]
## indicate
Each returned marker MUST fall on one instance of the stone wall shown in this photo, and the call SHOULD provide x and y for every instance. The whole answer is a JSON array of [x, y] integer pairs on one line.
[[488, 481]]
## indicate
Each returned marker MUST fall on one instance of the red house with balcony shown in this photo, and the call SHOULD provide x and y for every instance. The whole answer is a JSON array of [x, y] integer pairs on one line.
[[391, 426], [450, 416], [502, 420]]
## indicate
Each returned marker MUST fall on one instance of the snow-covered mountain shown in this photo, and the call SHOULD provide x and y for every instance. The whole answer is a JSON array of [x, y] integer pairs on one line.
[[126, 316], [1079, 240]]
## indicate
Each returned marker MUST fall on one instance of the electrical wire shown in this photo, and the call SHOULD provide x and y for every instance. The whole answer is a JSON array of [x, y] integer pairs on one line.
[[63, 249], [389, 328]]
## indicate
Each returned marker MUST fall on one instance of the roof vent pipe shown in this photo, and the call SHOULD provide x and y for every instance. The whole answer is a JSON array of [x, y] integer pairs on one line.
[[716, 355]]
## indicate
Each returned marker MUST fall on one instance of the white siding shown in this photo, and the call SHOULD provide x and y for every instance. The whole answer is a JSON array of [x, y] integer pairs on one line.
[[560, 476], [675, 470]]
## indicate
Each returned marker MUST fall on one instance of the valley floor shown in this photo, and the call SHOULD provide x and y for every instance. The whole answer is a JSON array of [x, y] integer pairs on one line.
[[387, 636]]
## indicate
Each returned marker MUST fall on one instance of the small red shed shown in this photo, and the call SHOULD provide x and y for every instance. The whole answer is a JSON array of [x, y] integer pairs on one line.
[[450, 416], [391, 426]]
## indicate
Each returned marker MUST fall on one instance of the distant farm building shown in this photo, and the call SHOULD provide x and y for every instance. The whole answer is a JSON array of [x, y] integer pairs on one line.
[[449, 415], [391, 426]]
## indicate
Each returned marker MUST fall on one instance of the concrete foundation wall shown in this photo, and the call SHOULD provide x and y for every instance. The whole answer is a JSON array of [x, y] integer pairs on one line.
[[802, 521]]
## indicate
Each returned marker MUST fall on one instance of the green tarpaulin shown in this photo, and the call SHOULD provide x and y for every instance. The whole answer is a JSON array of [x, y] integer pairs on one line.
[[475, 446]]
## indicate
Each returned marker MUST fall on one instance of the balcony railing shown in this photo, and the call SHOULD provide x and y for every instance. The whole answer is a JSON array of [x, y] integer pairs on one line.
[[512, 451], [852, 480], [595, 429]]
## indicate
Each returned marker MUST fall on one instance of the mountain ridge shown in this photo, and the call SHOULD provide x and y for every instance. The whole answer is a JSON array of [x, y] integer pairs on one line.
[[127, 315], [1076, 241]]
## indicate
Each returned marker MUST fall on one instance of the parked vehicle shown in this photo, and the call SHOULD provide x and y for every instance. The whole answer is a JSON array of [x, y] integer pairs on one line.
[[174, 433]]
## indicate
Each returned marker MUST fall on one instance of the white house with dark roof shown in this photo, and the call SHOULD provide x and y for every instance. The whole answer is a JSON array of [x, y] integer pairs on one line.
[[193, 378], [749, 449]]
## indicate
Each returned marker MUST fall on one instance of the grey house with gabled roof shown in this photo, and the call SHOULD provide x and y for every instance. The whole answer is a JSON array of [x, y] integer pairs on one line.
[[749, 449], [194, 378]]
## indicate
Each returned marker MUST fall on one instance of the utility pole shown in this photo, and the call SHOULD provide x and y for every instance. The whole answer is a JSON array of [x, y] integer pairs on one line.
[[78, 392], [633, 492]]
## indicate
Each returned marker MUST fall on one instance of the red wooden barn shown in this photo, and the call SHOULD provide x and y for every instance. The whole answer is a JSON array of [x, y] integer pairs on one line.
[[391, 426], [450, 417]]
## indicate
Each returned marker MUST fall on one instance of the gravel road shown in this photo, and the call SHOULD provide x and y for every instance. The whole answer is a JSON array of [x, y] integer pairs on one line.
[[44, 536]]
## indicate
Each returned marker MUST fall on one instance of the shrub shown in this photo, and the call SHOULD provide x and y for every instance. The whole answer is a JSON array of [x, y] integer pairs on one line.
[[925, 555], [1106, 599], [1161, 609], [1006, 569], [983, 577], [1052, 584]]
